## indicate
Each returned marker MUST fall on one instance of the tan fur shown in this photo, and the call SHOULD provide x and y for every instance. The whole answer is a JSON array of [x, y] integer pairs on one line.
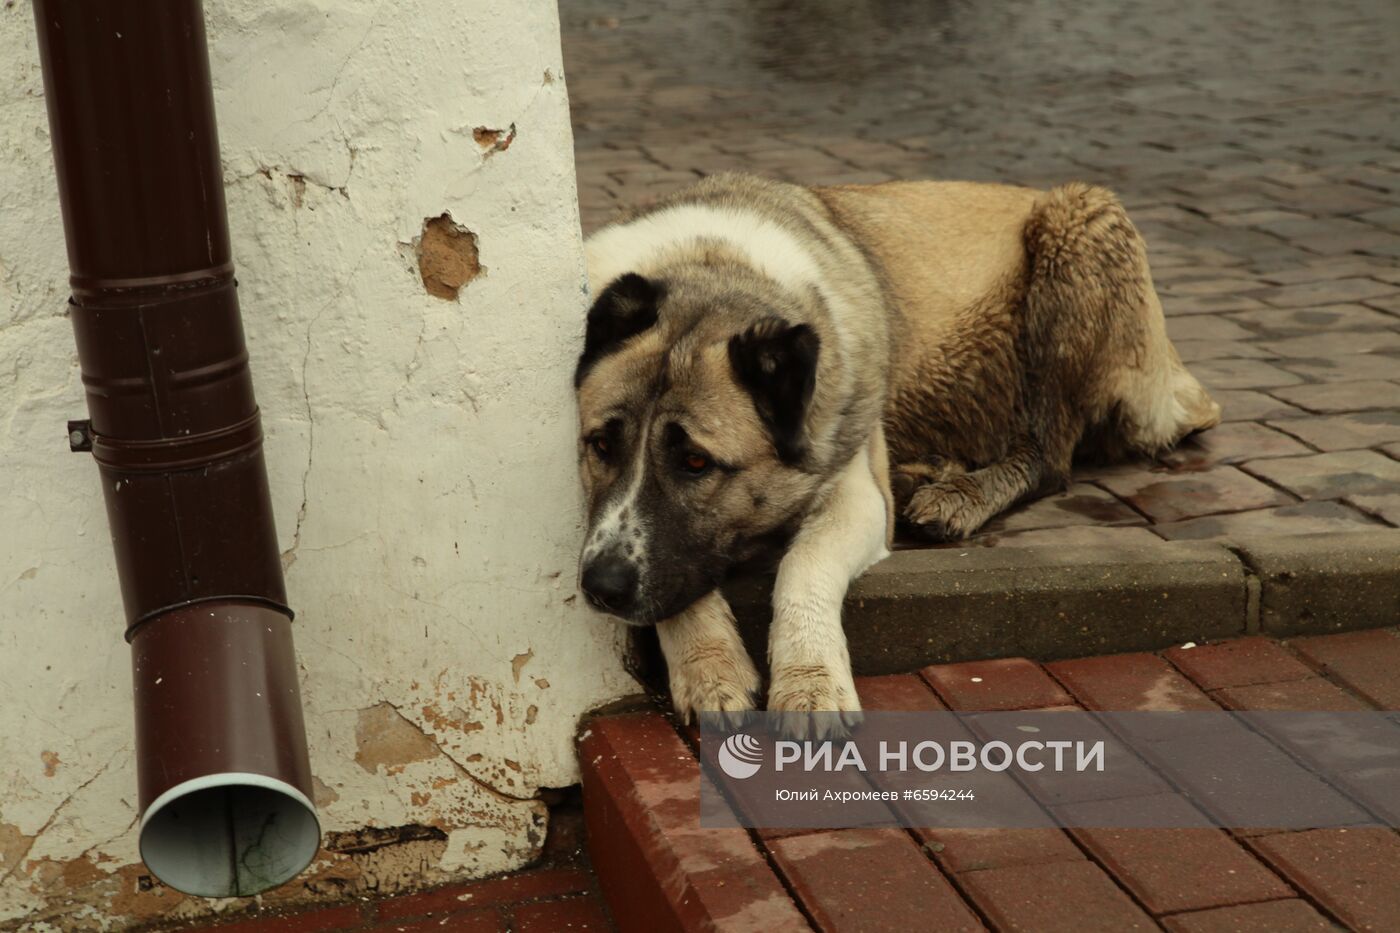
[[972, 338]]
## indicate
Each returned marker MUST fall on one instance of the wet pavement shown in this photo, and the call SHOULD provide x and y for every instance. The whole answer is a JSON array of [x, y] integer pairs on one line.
[[1257, 145]]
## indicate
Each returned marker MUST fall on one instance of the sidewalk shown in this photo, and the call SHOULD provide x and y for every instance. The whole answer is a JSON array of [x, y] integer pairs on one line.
[[659, 871], [1263, 169]]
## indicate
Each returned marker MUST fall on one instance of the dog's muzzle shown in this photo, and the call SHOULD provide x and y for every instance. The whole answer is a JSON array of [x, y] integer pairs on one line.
[[610, 582]]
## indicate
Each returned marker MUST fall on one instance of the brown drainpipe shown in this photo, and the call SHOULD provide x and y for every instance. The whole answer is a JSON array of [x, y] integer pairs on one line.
[[225, 787]]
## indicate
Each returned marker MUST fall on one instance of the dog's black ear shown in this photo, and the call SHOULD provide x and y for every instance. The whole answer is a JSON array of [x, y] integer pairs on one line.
[[777, 363], [625, 308]]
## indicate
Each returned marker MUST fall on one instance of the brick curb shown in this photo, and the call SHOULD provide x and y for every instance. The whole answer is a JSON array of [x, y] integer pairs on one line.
[[640, 767], [923, 607]]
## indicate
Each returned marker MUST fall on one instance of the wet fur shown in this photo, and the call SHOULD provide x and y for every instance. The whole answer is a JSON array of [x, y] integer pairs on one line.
[[928, 351]]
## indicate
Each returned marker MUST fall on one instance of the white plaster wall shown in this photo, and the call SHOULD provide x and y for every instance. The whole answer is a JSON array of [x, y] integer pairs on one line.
[[420, 450]]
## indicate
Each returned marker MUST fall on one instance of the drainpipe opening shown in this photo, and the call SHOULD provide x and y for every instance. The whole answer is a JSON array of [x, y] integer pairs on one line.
[[229, 835]]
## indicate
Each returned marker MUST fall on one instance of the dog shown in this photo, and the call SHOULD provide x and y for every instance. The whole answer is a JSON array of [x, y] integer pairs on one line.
[[775, 372]]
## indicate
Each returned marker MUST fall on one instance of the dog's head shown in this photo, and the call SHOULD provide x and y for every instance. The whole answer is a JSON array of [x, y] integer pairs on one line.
[[693, 394]]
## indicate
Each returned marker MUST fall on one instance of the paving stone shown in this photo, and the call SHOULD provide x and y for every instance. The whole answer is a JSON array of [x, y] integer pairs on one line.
[[960, 850], [1309, 693], [1286, 916], [1249, 405], [1072, 897], [1071, 536], [1324, 583], [1356, 367], [1206, 327], [1170, 497], [1229, 443], [1328, 292], [1237, 662], [1307, 518], [1336, 343], [906, 692], [1129, 682], [871, 879], [1170, 870], [1242, 374], [1031, 602], [1342, 396], [1384, 506], [1007, 684], [1186, 305], [1194, 351], [1299, 322], [1081, 504], [1353, 873], [1365, 662], [1331, 475], [1344, 432]]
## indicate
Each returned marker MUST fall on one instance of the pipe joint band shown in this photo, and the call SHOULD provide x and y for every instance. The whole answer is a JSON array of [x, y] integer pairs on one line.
[[172, 454]]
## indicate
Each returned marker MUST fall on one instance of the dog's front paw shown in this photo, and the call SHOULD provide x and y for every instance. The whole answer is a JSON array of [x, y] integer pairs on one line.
[[816, 701], [945, 511], [714, 680]]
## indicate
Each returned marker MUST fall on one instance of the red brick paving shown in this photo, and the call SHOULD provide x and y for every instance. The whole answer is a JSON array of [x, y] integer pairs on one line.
[[1094, 879], [1010, 684], [1352, 873], [1289, 916], [659, 871], [869, 880], [1366, 662], [546, 900], [1068, 896]]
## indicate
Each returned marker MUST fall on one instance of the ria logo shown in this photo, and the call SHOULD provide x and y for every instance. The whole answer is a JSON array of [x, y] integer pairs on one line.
[[740, 756]]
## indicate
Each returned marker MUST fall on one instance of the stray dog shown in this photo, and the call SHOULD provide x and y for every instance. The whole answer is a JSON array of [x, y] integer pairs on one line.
[[773, 371]]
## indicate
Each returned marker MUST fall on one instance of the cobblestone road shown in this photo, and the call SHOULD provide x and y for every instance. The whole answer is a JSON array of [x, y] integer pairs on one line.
[[1256, 143]]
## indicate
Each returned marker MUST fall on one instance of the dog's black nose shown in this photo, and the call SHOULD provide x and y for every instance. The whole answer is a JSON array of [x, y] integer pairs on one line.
[[610, 583]]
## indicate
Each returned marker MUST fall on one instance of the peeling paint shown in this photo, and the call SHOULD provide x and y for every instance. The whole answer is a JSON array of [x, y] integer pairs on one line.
[[493, 141], [51, 762], [384, 739], [447, 256], [517, 663]]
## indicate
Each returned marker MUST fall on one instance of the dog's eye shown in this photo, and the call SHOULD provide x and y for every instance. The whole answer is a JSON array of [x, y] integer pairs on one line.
[[600, 446], [696, 464]]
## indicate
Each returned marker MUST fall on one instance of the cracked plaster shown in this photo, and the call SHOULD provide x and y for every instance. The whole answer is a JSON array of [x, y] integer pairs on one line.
[[420, 452]]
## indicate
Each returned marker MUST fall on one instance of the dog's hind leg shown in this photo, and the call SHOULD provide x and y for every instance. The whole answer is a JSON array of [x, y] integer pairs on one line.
[[956, 503], [709, 669], [1093, 317], [808, 657]]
